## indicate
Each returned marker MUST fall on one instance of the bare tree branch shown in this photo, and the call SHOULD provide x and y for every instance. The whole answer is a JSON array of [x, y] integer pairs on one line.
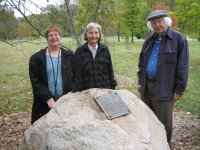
[[16, 43], [4, 4], [71, 23], [7, 42], [17, 4], [97, 10], [17, 7]]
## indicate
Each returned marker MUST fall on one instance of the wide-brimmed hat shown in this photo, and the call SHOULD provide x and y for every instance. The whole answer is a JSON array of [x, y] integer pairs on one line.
[[157, 14]]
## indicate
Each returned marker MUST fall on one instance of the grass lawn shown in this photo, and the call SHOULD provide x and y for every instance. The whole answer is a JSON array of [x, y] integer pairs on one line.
[[15, 88]]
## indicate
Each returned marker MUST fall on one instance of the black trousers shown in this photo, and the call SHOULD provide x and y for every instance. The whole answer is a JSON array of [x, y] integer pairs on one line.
[[163, 109]]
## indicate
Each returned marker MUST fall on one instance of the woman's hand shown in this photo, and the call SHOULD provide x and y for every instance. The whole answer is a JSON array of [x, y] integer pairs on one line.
[[51, 102]]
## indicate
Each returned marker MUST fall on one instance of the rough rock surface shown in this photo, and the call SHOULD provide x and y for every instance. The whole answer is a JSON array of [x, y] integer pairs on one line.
[[77, 122]]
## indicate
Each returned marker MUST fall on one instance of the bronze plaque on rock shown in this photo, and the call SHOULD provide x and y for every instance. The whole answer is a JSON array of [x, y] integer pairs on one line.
[[112, 105]]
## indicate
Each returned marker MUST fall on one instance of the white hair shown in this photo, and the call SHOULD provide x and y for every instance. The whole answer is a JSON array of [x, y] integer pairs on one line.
[[167, 20], [89, 26]]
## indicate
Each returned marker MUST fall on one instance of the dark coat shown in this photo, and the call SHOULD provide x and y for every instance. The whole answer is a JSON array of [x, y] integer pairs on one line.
[[98, 72], [172, 67], [38, 77]]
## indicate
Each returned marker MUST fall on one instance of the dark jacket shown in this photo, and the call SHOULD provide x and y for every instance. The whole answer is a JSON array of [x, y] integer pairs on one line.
[[172, 67], [98, 72], [38, 77]]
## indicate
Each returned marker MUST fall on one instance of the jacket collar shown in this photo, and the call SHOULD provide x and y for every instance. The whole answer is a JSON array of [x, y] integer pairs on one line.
[[63, 51], [168, 34], [100, 46]]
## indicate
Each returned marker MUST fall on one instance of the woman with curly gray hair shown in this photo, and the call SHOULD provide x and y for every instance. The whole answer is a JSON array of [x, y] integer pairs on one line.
[[94, 60]]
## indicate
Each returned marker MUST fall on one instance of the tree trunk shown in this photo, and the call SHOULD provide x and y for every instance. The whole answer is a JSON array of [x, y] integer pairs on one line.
[[118, 32], [72, 24], [132, 36], [96, 11]]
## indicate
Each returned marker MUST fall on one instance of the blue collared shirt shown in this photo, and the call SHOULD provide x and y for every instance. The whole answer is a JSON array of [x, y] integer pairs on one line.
[[172, 67], [153, 59]]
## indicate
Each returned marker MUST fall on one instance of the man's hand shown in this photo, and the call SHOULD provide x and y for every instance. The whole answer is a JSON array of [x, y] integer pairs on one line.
[[176, 97], [51, 102]]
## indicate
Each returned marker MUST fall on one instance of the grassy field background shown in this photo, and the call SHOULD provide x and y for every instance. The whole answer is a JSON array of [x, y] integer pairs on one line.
[[15, 88]]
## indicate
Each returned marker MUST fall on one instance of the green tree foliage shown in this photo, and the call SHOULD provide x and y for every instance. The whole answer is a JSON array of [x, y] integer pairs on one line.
[[100, 11], [57, 15], [85, 14], [134, 19], [142, 31], [50, 15], [53, 15], [117, 17], [188, 16], [8, 23]]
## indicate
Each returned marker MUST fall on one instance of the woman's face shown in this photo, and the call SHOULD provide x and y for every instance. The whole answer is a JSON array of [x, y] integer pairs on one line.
[[53, 39], [93, 35]]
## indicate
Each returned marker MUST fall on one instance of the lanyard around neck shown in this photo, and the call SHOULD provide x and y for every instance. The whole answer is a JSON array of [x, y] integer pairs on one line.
[[55, 76]]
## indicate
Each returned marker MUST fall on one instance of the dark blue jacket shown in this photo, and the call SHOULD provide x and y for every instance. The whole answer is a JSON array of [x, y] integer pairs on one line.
[[172, 67]]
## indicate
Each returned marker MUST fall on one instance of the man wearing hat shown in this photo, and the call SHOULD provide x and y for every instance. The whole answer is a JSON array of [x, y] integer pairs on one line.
[[163, 68]]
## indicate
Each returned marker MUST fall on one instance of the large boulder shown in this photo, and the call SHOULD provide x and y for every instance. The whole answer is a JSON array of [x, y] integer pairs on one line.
[[77, 122]]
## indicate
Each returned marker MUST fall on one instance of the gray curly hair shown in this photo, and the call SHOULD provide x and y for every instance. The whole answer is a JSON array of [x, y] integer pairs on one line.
[[167, 20], [88, 27]]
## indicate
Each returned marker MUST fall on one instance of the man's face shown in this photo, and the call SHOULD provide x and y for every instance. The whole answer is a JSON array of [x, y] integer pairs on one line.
[[158, 25]]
